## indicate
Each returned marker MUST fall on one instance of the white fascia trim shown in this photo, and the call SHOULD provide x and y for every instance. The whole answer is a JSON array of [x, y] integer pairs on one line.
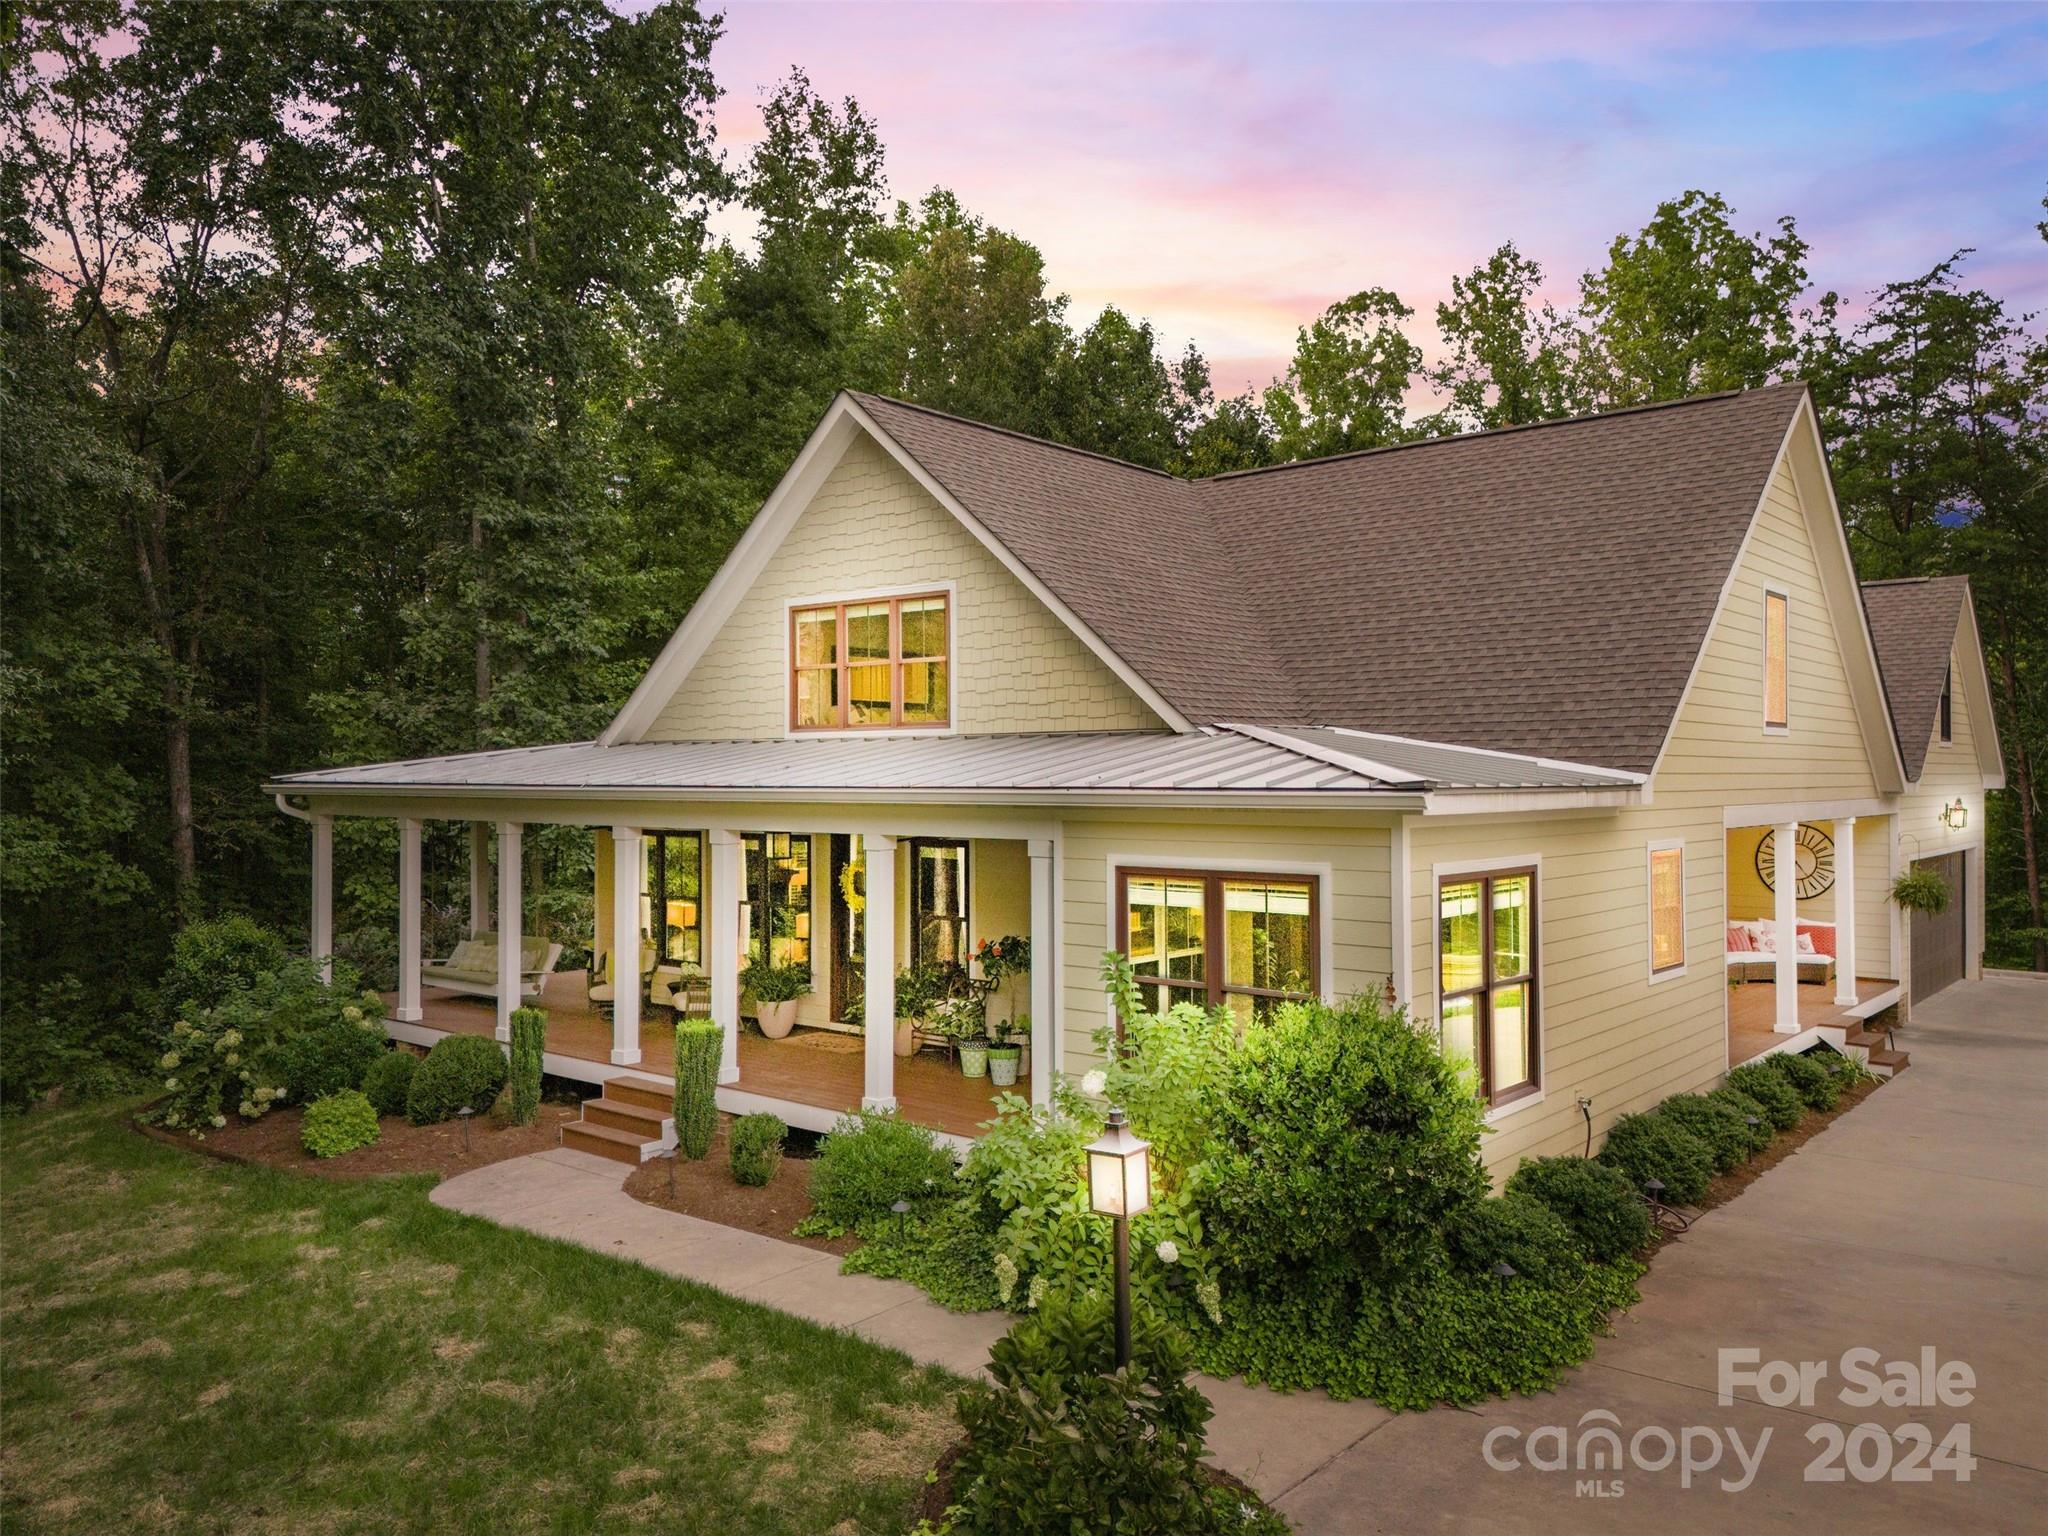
[[1529, 802], [1977, 688], [1620, 775], [1038, 589], [1782, 812], [1271, 799]]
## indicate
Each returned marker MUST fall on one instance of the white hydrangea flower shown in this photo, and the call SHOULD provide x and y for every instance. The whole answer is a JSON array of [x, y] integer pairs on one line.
[[1006, 1277], [168, 1061], [1035, 1292], [219, 1121], [171, 1083], [1168, 1251], [234, 1058], [1210, 1295], [352, 1013], [1093, 1083]]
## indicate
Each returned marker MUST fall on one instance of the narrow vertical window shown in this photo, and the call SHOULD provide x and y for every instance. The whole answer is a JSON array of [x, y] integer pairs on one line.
[[1486, 979], [938, 901], [1667, 909], [1948, 723], [1777, 680]]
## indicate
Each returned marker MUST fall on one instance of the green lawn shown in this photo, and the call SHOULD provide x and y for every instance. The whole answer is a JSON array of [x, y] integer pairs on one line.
[[191, 1345]]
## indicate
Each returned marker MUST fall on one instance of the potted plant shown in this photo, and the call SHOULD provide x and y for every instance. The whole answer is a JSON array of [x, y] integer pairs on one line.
[[913, 997], [1916, 890], [775, 989], [964, 1021], [998, 960], [1006, 1055]]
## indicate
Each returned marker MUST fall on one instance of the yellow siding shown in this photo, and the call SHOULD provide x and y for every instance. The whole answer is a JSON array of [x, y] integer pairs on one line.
[[1873, 897], [1719, 752], [1950, 773], [1355, 858], [872, 528]]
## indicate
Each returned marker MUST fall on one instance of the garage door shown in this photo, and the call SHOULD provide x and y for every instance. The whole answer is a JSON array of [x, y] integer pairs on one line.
[[1938, 937]]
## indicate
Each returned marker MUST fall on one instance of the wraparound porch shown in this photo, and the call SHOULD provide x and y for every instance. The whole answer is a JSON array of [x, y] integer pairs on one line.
[[1753, 1016]]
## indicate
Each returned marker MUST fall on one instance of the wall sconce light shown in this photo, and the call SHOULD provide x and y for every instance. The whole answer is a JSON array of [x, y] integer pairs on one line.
[[1955, 815]]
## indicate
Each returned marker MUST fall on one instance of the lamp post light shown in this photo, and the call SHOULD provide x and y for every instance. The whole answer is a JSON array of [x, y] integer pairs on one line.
[[1120, 1187], [463, 1114]]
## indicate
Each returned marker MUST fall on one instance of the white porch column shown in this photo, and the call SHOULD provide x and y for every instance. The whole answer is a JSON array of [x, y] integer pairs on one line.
[[627, 885], [1044, 966], [510, 924], [479, 879], [1845, 911], [879, 851], [1785, 876], [323, 895], [728, 890], [408, 1010]]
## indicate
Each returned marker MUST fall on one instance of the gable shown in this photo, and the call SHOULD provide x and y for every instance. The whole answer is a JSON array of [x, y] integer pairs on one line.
[[1719, 751], [869, 527]]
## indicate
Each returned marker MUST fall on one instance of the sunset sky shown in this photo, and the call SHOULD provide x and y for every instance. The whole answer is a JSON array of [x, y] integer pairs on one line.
[[1227, 171]]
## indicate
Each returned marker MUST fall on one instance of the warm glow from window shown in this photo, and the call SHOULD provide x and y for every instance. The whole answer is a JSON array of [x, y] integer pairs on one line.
[[1777, 683], [1244, 942], [1667, 909], [1486, 979], [870, 665]]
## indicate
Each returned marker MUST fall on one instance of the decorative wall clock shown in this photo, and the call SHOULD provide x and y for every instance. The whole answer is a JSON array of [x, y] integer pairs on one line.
[[1815, 862]]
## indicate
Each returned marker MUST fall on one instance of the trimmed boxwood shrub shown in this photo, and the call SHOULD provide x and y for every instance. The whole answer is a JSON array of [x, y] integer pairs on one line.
[[338, 1123], [389, 1081], [699, 1044], [868, 1163], [1605, 1212], [1815, 1085], [331, 1057], [460, 1072], [1746, 1109], [1717, 1125], [1649, 1147], [529, 1037], [756, 1146], [1769, 1088], [1516, 1229]]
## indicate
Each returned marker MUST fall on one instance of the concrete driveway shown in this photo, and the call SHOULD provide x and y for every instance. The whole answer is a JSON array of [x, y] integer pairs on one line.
[[1917, 1223]]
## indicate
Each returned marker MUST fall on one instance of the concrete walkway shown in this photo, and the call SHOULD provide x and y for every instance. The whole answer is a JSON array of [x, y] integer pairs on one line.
[[1919, 1220]]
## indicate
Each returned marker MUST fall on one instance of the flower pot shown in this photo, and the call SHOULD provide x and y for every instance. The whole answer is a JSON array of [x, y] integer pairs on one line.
[[974, 1058], [1003, 1061], [906, 1037], [776, 1019]]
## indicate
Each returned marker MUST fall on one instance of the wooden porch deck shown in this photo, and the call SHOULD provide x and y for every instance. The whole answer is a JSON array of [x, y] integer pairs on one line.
[[1753, 1010], [819, 1068]]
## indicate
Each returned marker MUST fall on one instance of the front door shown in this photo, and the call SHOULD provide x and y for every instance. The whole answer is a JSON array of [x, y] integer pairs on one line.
[[849, 932], [1938, 937]]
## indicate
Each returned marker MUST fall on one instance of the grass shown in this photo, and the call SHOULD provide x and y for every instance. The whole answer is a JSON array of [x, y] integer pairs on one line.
[[193, 1345]]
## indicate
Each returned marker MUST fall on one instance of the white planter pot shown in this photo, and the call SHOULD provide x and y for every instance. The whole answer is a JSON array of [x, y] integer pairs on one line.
[[906, 1037], [776, 1019]]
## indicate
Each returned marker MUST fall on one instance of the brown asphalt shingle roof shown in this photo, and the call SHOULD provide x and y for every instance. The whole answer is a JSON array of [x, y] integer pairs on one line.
[[1913, 624], [1543, 589]]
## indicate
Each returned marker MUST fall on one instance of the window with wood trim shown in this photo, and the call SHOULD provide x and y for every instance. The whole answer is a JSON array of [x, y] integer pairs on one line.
[[1486, 949], [675, 889], [1667, 908], [938, 901], [1948, 722], [876, 665], [1777, 670], [1243, 942]]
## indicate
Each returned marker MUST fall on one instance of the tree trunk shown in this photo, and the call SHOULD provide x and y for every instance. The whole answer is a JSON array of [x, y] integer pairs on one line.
[[178, 770], [2022, 788]]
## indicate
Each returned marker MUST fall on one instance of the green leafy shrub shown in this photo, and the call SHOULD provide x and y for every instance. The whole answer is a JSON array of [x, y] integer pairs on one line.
[[699, 1045], [529, 1043], [460, 1072], [1063, 1441], [1605, 1212], [389, 1081], [1342, 1141], [1719, 1127], [868, 1163], [1817, 1087], [1780, 1102], [1168, 1071], [332, 1054], [1847, 1071], [1756, 1124], [214, 959], [755, 1142], [766, 983], [338, 1123], [1518, 1231], [940, 1249], [1648, 1146], [219, 1062]]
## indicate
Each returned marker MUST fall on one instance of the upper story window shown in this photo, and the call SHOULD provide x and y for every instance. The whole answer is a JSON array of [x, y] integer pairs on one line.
[[1777, 675], [1486, 978], [874, 665], [938, 901], [1948, 720]]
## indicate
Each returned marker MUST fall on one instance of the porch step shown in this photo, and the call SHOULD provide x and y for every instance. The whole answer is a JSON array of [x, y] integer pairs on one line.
[[1864, 1039], [1888, 1063], [623, 1115], [604, 1140], [646, 1092]]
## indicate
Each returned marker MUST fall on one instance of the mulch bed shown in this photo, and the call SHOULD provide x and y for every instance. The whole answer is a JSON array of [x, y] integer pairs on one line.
[[401, 1147], [705, 1188]]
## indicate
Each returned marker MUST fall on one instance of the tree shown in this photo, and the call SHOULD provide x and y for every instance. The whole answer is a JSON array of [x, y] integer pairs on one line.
[[1509, 357], [1348, 384]]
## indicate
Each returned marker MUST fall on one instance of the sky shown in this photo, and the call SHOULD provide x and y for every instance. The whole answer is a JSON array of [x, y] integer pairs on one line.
[[1227, 171]]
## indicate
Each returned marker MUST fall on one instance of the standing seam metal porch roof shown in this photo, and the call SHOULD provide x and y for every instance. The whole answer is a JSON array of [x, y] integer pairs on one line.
[[1222, 762]]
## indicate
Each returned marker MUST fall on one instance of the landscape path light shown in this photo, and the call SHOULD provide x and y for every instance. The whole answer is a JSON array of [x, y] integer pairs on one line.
[[1120, 1187]]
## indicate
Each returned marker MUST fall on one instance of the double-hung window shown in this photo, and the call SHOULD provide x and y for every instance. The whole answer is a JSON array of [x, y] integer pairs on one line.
[[1486, 949], [777, 919], [876, 665], [675, 885], [1245, 942]]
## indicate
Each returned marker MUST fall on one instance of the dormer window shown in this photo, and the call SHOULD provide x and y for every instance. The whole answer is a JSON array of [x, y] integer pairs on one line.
[[872, 664], [1948, 722], [1777, 671]]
